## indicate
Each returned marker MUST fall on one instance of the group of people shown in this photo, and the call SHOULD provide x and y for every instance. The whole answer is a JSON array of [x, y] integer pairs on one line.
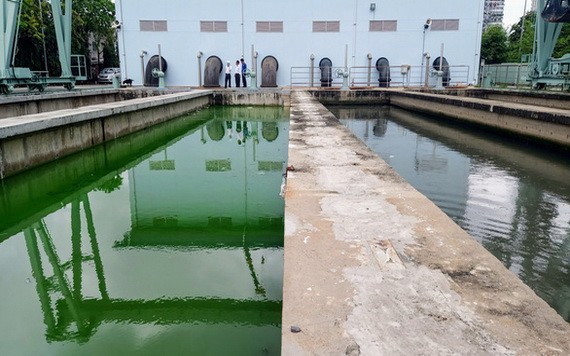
[[239, 74]]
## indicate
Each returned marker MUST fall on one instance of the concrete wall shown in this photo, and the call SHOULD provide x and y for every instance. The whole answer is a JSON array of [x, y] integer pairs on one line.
[[183, 39], [260, 98], [551, 126], [538, 98], [13, 106], [36, 139]]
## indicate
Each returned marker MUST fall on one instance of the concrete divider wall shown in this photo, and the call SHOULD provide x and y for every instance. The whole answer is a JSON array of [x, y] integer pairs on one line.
[[29, 141], [539, 98], [352, 97], [265, 97], [13, 106], [372, 267], [548, 125]]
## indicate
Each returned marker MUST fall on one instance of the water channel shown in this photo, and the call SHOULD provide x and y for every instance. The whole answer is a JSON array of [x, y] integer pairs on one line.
[[167, 241], [513, 197]]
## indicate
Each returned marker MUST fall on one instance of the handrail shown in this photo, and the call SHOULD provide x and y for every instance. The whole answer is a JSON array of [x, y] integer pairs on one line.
[[368, 76]]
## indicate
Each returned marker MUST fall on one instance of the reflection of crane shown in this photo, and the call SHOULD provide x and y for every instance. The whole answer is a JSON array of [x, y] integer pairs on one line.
[[72, 296], [544, 69], [60, 314]]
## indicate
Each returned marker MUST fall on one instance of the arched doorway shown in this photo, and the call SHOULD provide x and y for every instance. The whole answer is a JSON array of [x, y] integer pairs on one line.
[[444, 68], [212, 71], [269, 67], [149, 79], [383, 68], [326, 72]]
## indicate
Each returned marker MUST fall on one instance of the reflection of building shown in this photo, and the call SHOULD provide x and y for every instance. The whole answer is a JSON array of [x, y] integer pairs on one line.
[[493, 13], [238, 164], [210, 269]]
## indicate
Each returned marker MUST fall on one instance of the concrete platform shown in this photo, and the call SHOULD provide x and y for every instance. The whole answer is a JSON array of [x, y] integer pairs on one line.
[[373, 267]]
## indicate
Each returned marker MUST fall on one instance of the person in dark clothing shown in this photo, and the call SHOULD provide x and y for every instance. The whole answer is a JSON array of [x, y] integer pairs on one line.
[[243, 71]]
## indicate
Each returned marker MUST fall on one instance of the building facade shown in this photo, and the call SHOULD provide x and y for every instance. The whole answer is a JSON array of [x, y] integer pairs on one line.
[[297, 34], [493, 14]]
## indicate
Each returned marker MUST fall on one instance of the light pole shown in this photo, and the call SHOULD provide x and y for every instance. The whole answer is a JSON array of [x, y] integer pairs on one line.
[[426, 26]]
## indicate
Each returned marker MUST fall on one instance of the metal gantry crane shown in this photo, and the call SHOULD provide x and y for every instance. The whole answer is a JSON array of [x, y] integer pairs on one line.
[[10, 11], [543, 69]]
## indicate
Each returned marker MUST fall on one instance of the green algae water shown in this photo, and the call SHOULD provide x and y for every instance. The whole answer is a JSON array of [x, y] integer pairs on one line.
[[514, 198], [168, 241]]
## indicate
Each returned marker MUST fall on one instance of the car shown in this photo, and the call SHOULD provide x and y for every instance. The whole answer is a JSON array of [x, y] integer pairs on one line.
[[106, 75]]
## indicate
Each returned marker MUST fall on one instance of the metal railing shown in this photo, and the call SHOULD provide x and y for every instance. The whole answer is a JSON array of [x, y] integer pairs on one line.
[[362, 77]]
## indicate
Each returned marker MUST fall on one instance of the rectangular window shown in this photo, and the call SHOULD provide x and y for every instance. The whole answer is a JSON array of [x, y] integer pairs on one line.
[[153, 25], [445, 25], [220, 165], [213, 26], [326, 26], [269, 26], [383, 26], [166, 165], [268, 166]]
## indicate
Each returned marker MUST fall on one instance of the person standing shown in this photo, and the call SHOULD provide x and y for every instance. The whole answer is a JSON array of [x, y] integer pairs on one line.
[[237, 72], [243, 71], [228, 82]]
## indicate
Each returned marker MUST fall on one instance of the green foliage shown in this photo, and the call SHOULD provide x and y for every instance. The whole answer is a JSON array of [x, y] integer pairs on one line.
[[494, 45], [517, 46], [563, 44], [111, 185], [92, 17], [91, 23]]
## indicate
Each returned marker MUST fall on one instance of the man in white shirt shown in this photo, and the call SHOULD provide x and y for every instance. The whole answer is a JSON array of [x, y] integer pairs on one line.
[[237, 73], [228, 82]]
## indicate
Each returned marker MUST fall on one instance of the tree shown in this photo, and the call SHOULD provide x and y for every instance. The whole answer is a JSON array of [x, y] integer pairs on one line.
[[91, 23], [517, 46], [494, 45]]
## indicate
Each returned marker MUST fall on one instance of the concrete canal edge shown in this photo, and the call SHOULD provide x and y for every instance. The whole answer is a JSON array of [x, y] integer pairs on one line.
[[541, 119], [373, 267], [48, 127]]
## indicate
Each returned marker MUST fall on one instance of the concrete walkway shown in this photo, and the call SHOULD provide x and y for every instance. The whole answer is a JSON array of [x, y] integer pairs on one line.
[[373, 267]]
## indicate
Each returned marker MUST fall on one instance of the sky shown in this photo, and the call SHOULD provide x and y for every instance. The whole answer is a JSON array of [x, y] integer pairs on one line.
[[513, 11]]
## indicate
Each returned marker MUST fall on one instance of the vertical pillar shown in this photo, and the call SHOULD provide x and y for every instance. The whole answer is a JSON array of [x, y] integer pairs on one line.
[[62, 22]]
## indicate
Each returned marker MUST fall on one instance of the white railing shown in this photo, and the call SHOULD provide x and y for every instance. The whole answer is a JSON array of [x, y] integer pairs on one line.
[[362, 77]]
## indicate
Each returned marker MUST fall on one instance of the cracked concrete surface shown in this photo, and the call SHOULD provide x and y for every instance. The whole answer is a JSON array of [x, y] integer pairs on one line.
[[373, 267]]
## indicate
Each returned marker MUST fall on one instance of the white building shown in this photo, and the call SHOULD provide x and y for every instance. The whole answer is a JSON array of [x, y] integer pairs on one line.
[[294, 31]]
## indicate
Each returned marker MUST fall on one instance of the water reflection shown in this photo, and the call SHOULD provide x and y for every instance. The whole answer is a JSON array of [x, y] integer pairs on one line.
[[514, 199], [178, 249]]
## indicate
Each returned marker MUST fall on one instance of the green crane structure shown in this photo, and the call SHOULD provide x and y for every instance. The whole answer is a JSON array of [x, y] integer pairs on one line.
[[545, 70], [10, 11]]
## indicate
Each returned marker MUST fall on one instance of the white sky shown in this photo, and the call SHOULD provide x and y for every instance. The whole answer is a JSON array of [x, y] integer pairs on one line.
[[513, 11]]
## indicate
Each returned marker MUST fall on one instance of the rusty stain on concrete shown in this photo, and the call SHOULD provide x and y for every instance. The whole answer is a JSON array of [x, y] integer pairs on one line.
[[373, 267]]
